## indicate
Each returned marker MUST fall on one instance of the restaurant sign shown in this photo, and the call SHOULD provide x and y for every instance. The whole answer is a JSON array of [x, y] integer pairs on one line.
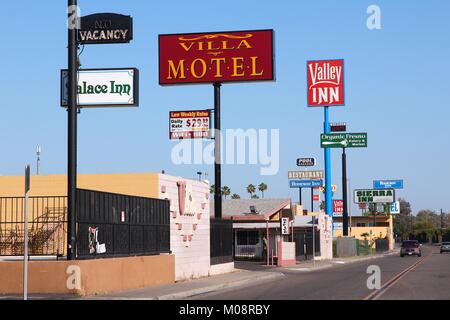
[[189, 124], [102, 28], [216, 57]]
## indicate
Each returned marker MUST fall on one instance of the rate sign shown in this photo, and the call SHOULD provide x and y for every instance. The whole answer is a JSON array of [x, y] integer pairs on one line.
[[189, 124]]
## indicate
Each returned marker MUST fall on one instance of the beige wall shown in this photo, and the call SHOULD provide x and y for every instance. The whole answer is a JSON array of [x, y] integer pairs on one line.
[[135, 184], [97, 276]]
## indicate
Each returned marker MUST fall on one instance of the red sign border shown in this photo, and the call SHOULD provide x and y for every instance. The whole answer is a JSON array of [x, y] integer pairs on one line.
[[343, 84], [209, 82], [196, 110]]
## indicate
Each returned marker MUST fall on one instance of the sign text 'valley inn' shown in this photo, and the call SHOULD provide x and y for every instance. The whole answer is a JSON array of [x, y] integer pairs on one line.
[[216, 57]]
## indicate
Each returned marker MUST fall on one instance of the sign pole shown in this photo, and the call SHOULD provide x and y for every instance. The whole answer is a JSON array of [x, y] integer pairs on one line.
[[25, 250], [328, 192], [312, 199], [344, 193], [300, 195], [217, 154], [72, 131]]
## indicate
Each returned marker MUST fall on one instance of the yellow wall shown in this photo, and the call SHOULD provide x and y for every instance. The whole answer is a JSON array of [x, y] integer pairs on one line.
[[135, 184], [374, 233]]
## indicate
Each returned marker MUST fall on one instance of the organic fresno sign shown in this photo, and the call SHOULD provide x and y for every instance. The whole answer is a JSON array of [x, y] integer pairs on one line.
[[325, 83], [216, 57]]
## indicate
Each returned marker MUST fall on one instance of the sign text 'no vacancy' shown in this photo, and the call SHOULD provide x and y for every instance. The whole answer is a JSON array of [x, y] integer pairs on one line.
[[216, 57], [102, 28], [325, 83], [189, 124]]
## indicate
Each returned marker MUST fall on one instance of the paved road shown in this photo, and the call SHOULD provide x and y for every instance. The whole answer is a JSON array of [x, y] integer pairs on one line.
[[401, 278]]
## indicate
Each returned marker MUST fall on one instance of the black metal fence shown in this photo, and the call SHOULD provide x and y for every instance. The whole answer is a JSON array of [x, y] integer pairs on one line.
[[47, 225], [221, 241], [126, 225], [304, 244]]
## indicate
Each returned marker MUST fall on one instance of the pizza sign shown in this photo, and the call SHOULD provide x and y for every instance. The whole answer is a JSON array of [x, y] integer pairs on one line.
[[325, 83]]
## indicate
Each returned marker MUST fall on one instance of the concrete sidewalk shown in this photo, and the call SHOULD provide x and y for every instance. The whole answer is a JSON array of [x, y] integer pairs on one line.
[[245, 274], [186, 289]]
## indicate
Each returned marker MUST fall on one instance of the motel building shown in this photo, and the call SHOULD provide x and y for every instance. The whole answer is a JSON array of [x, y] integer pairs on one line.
[[133, 230], [256, 219], [370, 228]]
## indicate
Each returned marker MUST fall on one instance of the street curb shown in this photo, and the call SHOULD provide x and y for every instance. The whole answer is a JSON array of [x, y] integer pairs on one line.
[[341, 262], [231, 284]]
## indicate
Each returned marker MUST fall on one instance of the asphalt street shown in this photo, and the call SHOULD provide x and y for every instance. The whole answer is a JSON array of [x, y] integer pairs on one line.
[[427, 277]]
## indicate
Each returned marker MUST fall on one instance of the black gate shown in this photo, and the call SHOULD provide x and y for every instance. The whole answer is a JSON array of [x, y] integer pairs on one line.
[[221, 241], [304, 244], [381, 245], [126, 225]]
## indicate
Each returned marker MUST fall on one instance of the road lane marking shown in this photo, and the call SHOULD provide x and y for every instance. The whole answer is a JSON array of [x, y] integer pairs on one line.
[[378, 293]]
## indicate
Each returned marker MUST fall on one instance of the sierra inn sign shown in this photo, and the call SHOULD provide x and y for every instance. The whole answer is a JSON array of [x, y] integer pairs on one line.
[[216, 57]]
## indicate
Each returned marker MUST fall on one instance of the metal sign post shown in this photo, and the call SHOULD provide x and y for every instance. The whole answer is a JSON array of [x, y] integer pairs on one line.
[[217, 154], [344, 194], [327, 155], [72, 132], [25, 250]]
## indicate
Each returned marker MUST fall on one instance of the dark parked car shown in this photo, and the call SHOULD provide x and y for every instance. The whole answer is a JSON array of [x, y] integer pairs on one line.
[[445, 247], [411, 247]]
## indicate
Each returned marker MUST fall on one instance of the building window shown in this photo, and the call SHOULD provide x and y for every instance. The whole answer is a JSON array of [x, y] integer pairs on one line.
[[245, 238], [360, 224]]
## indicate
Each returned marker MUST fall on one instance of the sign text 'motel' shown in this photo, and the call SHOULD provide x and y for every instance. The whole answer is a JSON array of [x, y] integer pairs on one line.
[[343, 140], [216, 57], [103, 87], [325, 83], [374, 196], [102, 28]]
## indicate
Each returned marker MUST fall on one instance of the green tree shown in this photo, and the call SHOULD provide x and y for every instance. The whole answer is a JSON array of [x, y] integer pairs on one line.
[[235, 196], [403, 221], [262, 187], [251, 189], [226, 191], [212, 189], [255, 196]]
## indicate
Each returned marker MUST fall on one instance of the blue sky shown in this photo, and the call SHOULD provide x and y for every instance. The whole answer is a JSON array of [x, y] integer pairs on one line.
[[396, 90]]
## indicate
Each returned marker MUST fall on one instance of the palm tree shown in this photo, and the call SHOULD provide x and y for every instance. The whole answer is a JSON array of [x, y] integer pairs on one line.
[[226, 191], [262, 187], [251, 189], [235, 196], [255, 196], [211, 189]]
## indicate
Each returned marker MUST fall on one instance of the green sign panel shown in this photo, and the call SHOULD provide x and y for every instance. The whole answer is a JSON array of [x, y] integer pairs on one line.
[[343, 140]]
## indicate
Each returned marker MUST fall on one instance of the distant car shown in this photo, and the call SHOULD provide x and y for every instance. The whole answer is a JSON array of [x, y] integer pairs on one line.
[[410, 248], [445, 247]]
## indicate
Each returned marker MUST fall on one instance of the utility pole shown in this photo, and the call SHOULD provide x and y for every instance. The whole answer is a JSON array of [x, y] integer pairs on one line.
[[344, 193], [38, 160], [217, 154], [72, 128]]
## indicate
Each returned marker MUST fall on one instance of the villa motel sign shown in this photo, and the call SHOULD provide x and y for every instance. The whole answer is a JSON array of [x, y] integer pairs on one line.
[[216, 57]]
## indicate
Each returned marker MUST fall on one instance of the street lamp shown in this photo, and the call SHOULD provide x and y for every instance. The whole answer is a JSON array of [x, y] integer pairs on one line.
[[38, 161]]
